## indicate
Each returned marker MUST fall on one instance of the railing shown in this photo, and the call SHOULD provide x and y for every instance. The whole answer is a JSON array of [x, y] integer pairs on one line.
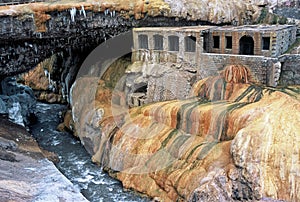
[[19, 2]]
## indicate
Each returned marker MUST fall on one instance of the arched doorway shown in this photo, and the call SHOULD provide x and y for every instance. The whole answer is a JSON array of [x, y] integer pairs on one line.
[[246, 45]]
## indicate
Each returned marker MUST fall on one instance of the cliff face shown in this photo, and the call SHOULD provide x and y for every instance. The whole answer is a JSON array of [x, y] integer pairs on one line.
[[230, 141], [32, 32], [213, 11]]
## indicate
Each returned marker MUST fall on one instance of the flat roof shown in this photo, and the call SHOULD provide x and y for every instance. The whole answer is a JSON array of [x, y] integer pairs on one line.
[[214, 28], [252, 28], [173, 29]]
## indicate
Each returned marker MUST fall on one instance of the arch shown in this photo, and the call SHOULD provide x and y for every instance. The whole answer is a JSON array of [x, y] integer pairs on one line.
[[158, 42], [138, 96], [190, 43], [246, 45], [141, 88], [143, 41], [173, 43]]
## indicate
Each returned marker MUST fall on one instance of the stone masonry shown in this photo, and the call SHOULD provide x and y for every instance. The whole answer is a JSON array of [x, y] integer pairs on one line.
[[208, 49]]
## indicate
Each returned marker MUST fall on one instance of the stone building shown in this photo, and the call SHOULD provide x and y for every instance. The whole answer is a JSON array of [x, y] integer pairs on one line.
[[266, 40], [186, 43], [169, 44], [206, 50]]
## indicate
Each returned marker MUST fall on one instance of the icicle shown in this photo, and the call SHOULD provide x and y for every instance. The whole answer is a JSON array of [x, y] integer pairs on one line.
[[106, 12], [35, 49], [46, 72], [111, 14], [83, 11], [73, 14], [114, 13], [49, 78]]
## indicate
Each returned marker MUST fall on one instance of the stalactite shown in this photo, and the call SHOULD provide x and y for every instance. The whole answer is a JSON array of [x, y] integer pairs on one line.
[[82, 11], [73, 14]]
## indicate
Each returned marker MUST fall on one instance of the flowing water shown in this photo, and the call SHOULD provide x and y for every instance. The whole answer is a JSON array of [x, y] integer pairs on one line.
[[75, 163]]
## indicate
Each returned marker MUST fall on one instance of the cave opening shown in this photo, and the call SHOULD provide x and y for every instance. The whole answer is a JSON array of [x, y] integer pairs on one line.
[[139, 96]]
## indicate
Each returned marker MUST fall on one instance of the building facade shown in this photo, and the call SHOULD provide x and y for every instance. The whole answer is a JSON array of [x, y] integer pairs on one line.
[[264, 40], [209, 49]]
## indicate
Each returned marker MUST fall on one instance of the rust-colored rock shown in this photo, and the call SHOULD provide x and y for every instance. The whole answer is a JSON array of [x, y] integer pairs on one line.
[[68, 124], [36, 78], [230, 141], [40, 79], [214, 11]]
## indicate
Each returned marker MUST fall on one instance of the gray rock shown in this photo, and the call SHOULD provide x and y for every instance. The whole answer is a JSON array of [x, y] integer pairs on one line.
[[3, 108], [7, 144], [18, 101]]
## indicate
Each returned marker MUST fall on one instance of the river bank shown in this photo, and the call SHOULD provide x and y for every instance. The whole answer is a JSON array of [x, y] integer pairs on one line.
[[74, 162], [26, 173]]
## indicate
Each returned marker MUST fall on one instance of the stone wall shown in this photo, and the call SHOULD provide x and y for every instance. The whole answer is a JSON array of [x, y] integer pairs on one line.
[[284, 39], [284, 70], [290, 73], [260, 67], [165, 55], [281, 37]]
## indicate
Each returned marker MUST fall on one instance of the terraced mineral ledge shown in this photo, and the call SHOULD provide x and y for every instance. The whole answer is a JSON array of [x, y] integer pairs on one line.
[[230, 140], [227, 140], [26, 174], [211, 11]]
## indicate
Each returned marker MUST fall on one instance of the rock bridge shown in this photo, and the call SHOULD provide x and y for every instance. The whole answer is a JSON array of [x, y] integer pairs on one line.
[[31, 32], [27, 41]]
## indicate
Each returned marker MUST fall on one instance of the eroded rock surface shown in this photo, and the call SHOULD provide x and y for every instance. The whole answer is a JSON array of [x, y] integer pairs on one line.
[[213, 11], [38, 30], [17, 101], [25, 173], [230, 141]]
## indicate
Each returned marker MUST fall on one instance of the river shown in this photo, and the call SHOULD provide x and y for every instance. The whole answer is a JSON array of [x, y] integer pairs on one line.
[[75, 163]]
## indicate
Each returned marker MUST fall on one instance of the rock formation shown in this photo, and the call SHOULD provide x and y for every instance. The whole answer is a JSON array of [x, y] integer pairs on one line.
[[17, 101], [41, 80], [26, 175], [231, 140], [215, 11], [38, 30]]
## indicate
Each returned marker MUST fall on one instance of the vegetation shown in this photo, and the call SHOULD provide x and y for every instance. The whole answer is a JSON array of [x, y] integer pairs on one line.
[[263, 15], [292, 47], [269, 18]]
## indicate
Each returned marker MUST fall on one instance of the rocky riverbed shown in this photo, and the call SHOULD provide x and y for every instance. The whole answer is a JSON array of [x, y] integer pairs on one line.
[[26, 173], [74, 161]]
